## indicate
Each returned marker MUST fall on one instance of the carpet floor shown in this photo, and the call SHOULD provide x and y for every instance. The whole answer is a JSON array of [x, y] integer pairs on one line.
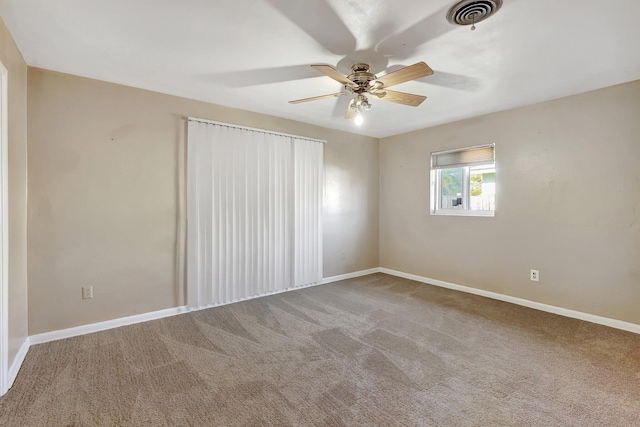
[[373, 351]]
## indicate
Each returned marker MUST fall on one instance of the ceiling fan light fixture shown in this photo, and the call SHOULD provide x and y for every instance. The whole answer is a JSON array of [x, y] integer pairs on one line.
[[361, 104], [358, 120]]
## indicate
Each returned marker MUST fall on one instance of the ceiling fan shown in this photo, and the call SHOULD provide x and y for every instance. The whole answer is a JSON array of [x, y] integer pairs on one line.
[[361, 81]]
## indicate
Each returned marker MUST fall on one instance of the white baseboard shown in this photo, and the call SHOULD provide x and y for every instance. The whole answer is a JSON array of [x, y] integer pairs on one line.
[[324, 281], [350, 275], [108, 324], [265, 294], [130, 320], [17, 362], [123, 321], [613, 323]]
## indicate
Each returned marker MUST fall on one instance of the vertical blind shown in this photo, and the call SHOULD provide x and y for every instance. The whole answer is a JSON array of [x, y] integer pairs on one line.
[[254, 213]]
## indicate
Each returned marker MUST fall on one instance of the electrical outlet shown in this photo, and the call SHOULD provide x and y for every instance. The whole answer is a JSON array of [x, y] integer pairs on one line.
[[87, 292], [535, 275]]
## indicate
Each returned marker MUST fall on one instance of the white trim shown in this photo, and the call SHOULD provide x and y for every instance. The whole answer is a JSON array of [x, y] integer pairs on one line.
[[457, 150], [265, 294], [108, 324], [17, 362], [4, 236], [115, 323], [444, 212], [231, 125], [138, 318], [350, 275], [613, 323]]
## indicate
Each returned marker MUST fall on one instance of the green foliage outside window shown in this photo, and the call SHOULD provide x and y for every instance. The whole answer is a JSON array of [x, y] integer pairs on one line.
[[451, 181], [476, 184]]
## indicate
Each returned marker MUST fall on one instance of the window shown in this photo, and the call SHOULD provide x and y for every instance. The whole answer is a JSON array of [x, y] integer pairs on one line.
[[463, 181]]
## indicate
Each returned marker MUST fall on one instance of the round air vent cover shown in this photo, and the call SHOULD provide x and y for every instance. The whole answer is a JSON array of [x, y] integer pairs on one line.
[[468, 12]]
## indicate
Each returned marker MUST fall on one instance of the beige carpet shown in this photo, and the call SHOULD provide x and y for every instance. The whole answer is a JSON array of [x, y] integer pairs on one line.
[[372, 351]]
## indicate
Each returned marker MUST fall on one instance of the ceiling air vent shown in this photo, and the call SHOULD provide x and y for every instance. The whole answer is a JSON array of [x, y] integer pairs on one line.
[[470, 12]]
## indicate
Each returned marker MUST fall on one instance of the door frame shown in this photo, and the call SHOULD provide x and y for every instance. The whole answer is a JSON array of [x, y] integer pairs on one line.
[[4, 236]]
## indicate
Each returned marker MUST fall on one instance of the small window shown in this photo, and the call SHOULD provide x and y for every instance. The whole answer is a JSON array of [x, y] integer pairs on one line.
[[463, 182]]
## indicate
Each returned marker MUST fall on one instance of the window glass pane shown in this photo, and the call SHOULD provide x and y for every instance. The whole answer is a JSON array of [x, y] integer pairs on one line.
[[451, 188], [482, 187]]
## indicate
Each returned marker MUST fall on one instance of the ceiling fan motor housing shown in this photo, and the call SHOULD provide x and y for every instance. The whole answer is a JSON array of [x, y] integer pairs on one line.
[[361, 76]]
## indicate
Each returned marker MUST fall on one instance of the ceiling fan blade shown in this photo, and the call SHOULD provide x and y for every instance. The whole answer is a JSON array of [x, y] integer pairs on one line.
[[339, 105], [350, 111], [315, 98], [336, 75], [405, 74], [403, 98]]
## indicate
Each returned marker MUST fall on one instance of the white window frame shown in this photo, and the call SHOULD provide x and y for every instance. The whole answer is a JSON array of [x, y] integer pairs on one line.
[[436, 188]]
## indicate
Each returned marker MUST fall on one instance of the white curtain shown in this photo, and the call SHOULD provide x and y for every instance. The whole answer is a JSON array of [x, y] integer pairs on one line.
[[254, 213]]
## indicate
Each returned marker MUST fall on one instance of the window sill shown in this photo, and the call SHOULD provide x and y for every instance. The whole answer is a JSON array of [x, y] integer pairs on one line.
[[464, 213]]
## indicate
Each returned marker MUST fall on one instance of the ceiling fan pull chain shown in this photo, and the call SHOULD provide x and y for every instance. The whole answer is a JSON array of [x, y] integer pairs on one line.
[[473, 25]]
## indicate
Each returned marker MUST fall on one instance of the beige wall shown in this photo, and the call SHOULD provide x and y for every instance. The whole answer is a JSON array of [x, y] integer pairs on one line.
[[17, 183], [106, 165], [106, 193], [568, 204]]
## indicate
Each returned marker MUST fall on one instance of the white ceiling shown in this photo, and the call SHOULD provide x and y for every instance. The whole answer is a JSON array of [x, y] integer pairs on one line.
[[255, 54]]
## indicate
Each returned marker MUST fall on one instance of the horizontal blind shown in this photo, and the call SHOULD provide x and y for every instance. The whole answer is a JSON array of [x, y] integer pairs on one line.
[[473, 156]]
